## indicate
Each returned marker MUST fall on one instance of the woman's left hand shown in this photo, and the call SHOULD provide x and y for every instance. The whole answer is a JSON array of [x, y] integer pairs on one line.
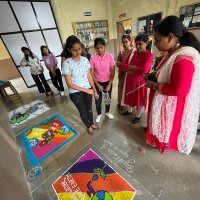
[[150, 84]]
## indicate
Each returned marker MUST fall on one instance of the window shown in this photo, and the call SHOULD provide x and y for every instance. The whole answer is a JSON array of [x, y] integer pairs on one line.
[[190, 15], [30, 24], [145, 24]]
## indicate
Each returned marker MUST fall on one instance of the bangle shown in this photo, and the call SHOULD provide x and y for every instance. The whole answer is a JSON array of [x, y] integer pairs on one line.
[[155, 86]]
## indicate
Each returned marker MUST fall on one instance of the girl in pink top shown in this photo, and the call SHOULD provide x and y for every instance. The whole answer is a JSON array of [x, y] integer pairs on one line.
[[174, 99], [103, 72], [54, 72]]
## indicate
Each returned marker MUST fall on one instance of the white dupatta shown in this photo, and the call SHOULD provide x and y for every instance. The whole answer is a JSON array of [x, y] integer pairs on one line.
[[164, 107], [124, 86]]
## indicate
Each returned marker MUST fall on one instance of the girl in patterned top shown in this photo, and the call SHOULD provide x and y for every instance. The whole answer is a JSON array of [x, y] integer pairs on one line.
[[36, 69], [76, 70]]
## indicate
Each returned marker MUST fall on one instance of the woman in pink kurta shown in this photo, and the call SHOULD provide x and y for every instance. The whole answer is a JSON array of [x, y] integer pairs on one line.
[[174, 99], [136, 67]]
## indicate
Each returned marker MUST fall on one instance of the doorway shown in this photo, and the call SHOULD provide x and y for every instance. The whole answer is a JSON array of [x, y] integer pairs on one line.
[[122, 26]]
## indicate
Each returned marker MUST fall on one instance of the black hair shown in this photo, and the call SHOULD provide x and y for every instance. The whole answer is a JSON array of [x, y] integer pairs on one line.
[[70, 42], [172, 24], [41, 49], [142, 37], [99, 41], [85, 52], [128, 31], [126, 36], [84, 48], [26, 56], [24, 49]]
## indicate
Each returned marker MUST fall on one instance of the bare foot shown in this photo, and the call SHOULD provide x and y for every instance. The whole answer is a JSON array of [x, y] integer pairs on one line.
[[90, 131], [94, 126]]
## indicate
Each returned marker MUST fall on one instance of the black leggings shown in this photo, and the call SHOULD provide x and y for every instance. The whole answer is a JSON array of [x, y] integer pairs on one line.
[[42, 87], [57, 80], [83, 102]]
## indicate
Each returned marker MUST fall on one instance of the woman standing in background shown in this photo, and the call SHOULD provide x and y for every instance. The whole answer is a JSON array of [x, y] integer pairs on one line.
[[32, 61], [127, 49], [54, 72], [139, 65]]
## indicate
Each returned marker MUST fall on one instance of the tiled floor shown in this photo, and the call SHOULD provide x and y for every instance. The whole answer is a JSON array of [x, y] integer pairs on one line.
[[171, 176]]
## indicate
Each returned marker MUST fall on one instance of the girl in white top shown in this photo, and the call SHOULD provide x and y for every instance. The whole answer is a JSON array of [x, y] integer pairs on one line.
[[36, 69]]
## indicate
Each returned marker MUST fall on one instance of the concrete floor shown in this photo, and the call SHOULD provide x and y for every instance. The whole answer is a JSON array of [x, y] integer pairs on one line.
[[171, 176]]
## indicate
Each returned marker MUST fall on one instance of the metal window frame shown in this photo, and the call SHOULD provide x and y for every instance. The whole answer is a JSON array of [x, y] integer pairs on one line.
[[26, 31], [147, 17], [188, 5]]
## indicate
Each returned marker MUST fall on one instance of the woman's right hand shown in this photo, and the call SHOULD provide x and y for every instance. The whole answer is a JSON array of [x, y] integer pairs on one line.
[[100, 88], [89, 91], [96, 96]]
